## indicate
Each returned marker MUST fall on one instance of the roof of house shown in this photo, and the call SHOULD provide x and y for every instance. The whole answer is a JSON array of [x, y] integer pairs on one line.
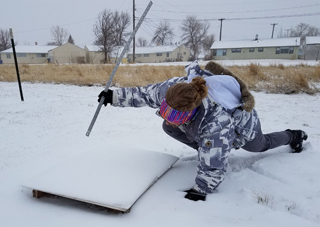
[[114, 54], [66, 44], [292, 41], [313, 40], [93, 48], [153, 49], [30, 49]]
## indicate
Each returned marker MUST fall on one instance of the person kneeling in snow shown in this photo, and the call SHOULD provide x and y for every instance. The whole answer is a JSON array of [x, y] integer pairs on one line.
[[211, 111]]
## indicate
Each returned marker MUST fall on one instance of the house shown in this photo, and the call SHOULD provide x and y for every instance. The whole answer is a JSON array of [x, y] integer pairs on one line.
[[67, 54], [26, 54], [155, 54], [311, 48], [115, 54], [282, 48], [94, 55]]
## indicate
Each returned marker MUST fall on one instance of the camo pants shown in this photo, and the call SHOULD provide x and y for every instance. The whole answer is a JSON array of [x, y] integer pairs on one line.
[[261, 143]]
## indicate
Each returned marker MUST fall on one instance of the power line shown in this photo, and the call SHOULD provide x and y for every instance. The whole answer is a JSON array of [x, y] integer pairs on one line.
[[269, 17], [242, 3], [246, 11], [253, 18], [170, 4]]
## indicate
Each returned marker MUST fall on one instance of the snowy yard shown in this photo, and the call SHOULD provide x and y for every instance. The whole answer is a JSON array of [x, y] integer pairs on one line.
[[275, 188]]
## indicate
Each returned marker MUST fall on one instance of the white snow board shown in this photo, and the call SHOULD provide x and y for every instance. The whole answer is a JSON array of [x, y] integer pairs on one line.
[[114, 178]]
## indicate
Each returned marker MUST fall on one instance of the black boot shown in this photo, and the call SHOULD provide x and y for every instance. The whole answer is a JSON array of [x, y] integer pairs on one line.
[[297, 139]]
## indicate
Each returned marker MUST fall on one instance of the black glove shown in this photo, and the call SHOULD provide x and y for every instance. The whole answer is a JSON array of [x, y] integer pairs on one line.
[[195, 195], [107, 97]]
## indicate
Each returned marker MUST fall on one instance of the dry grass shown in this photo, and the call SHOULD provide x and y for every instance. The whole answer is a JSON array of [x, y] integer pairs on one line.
[[280, 78], [272, 79], [87, 75]]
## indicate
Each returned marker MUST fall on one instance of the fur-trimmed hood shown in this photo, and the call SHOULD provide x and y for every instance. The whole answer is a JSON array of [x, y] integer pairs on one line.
[[246, 96]]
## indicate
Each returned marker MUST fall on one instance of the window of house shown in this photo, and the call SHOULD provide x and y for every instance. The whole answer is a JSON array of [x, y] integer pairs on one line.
[[224, 52], [146, 55], [159, 54], [251, 49], [290, 50], [8, 55], [284, 50], [138, 55], [220, 52], [260, 49], [236, 50], [21, 55], [167, 55], [41, 55]]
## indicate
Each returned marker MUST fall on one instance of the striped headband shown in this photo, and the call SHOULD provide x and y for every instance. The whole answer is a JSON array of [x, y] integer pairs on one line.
[[175, 116]]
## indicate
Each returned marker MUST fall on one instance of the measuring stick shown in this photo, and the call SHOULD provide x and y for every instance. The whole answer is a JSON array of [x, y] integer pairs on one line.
[[126, 47]]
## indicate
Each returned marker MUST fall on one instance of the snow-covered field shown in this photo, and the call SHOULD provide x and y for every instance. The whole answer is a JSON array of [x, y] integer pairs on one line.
[[275, 188]]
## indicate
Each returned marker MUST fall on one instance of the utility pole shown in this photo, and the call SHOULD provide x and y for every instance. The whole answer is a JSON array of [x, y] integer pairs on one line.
[[274, 24], [221, 19], [134, 26]]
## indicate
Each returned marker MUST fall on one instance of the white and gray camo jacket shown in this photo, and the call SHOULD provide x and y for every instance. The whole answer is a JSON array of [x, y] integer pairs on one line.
[[216, 129]]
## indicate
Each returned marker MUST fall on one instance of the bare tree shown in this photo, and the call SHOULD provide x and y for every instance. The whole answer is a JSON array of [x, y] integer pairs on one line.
[[302, 30], [163, 34], [313, 31], [194, 32], [142, 42], [103, 30], [109, 30], [60, 36], [207, 43], [121, 21], [5, 41]]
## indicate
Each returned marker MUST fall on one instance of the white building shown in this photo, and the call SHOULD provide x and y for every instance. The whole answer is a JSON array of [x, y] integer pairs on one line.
[[311, 48], [155, 54], [282, 48], [26, 54]]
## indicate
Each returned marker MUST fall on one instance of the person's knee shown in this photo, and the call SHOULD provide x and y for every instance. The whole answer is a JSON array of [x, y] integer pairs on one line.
[[259, 144]]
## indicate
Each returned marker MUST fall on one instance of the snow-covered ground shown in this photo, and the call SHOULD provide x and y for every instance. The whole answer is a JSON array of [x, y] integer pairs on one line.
[[275, 188]]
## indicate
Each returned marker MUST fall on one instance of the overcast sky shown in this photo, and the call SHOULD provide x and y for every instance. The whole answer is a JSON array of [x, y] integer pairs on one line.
[[31, 20]]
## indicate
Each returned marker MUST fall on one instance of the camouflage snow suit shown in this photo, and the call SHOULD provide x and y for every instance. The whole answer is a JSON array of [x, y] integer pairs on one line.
[[216, 130]]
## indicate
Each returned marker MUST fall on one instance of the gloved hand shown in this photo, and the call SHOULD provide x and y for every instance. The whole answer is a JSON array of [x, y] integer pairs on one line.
[[107, 95], [195, 195]]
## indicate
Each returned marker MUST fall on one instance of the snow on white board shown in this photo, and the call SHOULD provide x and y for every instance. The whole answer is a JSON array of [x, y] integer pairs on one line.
[[114, 178]]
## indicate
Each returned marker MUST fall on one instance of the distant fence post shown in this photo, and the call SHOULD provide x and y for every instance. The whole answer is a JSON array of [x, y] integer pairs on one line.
[[16, 63]]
